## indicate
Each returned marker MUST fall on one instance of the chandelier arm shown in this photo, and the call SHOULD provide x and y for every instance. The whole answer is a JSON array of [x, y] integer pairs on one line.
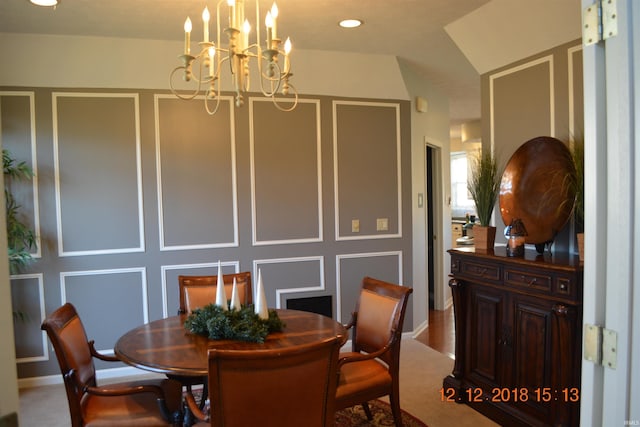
[[294, 103], [271, 80], [206, 104], [187, 97]]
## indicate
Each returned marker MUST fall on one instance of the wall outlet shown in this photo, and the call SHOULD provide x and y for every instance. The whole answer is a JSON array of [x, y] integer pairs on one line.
[[382, 224], [355, 225]]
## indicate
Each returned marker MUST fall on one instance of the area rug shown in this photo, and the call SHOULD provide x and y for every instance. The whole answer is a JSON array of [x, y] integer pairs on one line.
[[382, 416]]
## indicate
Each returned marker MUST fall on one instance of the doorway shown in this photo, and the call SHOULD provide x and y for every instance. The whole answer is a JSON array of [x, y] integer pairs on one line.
[[430, 224]]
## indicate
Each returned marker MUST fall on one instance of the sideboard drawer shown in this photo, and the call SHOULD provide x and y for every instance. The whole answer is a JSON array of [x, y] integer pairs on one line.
[[478, 270], [528, 279]]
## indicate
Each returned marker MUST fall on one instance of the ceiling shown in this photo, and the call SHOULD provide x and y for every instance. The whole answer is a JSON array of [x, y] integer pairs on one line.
[[412, 30]]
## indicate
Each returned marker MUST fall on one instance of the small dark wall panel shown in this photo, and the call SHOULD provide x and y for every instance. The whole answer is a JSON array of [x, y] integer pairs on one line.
[[197, 174], [366, 158], [97, 144], [286, 175]]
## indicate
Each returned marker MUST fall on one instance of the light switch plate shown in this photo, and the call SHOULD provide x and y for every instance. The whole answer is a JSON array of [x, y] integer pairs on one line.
[[382, 224], [355, 225]]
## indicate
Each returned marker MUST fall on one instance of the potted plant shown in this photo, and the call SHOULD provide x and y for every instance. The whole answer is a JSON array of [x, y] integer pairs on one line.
[[20, 238], [484, 186], [577, 155]]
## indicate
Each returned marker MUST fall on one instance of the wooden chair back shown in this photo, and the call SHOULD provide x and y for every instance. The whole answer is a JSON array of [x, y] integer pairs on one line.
[[198, 291], [69, 340], [379, 314], [289, 387]]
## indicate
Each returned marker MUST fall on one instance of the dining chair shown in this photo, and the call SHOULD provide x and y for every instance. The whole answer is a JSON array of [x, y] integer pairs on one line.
[[141, 403], [275, 387], [371, 369], [198, 291]]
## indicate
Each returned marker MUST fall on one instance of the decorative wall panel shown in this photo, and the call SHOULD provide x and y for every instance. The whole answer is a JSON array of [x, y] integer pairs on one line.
[[522, 104], [367, 170], [96, 139], [286, 179], [352, 268], [196, 163], [98, 297], [18, 121], [27, 299], [290, 277], [576, 94]]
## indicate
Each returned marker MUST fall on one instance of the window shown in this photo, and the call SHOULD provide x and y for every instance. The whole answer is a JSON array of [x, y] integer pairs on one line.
[[461, 201]]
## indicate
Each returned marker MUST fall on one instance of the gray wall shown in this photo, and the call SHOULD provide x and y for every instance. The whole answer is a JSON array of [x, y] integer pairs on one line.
[[135, 187], [536, 96]]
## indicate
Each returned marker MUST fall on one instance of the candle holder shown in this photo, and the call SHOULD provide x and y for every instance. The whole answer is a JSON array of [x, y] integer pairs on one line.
[[515, 234]]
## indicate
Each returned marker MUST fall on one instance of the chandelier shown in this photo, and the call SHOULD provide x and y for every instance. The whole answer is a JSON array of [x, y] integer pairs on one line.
[[204, 69]]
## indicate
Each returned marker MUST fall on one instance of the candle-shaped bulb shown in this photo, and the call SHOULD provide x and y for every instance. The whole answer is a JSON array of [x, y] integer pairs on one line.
[[205, 19], [212, 53], [232, 13], [246, 29], [287, 46], [274, 15], [187, 36], [268, 21]]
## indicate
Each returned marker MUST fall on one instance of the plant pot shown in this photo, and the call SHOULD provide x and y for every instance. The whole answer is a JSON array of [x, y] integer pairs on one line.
[[484, 237], [580, 237]]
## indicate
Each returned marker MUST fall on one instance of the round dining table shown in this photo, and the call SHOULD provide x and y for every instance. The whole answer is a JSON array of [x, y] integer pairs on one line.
[[166, 346]]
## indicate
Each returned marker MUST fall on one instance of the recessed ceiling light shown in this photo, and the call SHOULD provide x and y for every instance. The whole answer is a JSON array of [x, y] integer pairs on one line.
[[350, 23], [45, 2]]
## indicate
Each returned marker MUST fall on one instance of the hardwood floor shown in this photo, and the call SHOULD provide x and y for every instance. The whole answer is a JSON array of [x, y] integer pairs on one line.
[[440, 335]]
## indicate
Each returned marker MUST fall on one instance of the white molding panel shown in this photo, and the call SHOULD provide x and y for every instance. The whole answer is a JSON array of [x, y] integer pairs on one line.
[[280, 292], [56, 155], [254, 214], [161, 209], [336, 181], [45, 348], [114, 271], [340, 258], [34, 165], [546, 59]]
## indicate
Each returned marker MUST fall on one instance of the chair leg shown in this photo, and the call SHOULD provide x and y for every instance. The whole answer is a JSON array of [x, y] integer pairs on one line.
[[367, 410], [205, 395], [395, 409]]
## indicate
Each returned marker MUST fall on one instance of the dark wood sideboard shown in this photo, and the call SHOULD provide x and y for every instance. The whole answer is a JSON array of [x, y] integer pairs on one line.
[[518, 326]]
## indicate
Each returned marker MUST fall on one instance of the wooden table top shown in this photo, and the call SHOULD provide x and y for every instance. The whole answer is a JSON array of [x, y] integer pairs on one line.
[[165, 346]]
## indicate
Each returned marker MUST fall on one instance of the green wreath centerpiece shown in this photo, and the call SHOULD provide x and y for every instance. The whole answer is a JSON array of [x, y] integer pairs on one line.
[[243, 325]]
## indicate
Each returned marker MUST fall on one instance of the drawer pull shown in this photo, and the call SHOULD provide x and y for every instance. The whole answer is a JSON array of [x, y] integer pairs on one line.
[[530, 282]]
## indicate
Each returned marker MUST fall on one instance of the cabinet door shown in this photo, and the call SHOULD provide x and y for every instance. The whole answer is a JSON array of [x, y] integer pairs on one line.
[[484, 363], [532, 353]]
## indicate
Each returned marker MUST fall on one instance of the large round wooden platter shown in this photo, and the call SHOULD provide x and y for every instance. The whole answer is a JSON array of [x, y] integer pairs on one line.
[[536, 188]]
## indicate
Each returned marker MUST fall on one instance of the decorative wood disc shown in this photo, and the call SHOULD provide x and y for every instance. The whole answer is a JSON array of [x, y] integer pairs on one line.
[[536, 188]]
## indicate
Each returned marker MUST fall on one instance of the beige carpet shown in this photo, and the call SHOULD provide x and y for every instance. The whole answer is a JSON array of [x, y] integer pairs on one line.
[[421, 372]]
